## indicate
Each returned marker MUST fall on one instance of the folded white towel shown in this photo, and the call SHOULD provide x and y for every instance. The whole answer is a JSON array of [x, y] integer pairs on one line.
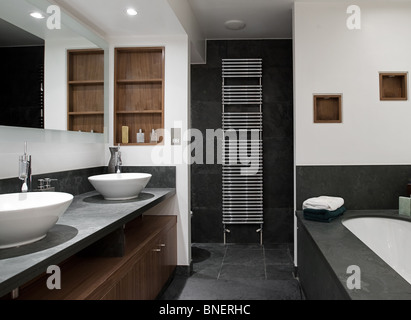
[[323, 203]]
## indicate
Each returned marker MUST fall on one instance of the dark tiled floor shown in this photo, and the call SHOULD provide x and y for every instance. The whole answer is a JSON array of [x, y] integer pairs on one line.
[[237, 272]]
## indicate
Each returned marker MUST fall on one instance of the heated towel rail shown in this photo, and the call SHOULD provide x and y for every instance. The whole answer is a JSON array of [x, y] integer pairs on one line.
[[242, 154]]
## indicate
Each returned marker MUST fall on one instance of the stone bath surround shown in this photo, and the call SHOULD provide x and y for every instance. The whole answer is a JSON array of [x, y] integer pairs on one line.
[[326, 250]]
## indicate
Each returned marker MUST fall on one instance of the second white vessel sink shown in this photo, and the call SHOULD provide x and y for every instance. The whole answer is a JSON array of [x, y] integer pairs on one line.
[[120, 186]]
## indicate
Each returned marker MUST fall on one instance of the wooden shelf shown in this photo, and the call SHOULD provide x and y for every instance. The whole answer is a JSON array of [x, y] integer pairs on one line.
[[142, 81], [85, 98], [85, 113], [139, 111], [84, 82], [139, 93], [327, 109], [393, 86]]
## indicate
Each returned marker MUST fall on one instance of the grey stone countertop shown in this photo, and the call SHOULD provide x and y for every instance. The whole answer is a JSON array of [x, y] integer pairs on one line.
[[88, 219], [341, 248]]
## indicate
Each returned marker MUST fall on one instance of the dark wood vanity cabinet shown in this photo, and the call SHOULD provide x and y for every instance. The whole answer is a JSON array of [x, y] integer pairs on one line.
[[147, 274], [148, 262]]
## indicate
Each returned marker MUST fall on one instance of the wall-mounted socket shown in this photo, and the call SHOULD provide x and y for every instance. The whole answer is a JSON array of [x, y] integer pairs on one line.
[[175, 136]]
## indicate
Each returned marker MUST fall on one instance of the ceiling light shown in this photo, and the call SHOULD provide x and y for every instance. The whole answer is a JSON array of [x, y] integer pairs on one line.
[[235, 24], [131, 12], [37, 15]]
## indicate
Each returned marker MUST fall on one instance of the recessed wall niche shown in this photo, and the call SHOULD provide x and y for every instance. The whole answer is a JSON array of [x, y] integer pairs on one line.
[[327, 108], [393, 86]]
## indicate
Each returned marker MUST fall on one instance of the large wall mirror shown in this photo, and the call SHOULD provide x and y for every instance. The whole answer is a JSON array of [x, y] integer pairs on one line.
[[35, 83]]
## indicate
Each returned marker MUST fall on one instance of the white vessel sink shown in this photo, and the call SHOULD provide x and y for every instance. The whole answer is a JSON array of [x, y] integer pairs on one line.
[[120, 186], [26, 217]]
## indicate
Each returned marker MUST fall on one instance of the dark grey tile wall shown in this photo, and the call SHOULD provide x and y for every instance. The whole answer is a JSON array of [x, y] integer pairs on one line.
[[162, 177], [76, 181], [206, 103], [73, 181], [362, 187]]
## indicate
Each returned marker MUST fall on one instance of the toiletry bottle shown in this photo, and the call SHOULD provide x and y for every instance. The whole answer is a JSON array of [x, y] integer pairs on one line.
[[140, 136], [153, 136]]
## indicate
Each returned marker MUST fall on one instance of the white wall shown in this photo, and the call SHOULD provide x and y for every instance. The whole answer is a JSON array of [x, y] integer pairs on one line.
[[55, 79], [183, 11], [330, 58], [176, 115], [51, 151]]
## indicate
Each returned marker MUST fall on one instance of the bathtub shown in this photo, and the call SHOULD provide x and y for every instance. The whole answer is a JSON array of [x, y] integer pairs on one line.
[[377, 241], [389, 238]]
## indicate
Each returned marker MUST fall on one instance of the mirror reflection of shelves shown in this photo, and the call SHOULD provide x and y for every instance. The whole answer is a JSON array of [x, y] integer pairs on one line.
[[139, 94], [85, 90]]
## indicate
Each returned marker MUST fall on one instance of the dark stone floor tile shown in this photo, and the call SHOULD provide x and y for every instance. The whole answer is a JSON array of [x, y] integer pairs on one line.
[[277, 256], [245, 289], [244, 246], [279, 272], [207, 253], [246, 257], [239, 271], [281, 246]]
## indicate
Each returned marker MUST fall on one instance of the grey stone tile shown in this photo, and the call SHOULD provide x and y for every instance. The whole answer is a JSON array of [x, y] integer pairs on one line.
[[236, 272], [246, 257], [276, 256], [198, 289], [240, 271], [279, 272], [242, 246], [280, 246]]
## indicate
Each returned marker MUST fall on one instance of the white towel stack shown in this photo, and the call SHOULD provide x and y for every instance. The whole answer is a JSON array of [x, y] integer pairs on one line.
[[323, 203]]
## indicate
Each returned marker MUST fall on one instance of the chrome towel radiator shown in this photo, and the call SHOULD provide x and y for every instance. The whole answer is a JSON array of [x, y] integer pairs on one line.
[[242, 154]]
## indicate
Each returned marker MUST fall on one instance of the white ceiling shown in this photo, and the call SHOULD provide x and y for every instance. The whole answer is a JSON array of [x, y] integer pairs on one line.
[[263, 18], [109, 18]]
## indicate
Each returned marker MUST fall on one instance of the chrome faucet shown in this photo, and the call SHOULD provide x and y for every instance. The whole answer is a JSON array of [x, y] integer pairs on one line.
[[45, 184], [119, 162], [25, 170]]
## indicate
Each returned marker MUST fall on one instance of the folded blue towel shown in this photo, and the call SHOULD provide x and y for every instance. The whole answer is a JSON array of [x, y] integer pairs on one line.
[[323, 215]]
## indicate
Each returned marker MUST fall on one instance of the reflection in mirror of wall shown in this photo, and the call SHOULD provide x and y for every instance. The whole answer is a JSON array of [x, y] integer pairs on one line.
[[54, 92], [22, 77], [85, 90]]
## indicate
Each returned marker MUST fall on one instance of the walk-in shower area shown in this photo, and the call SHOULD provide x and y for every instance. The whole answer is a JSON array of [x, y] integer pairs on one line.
[[214, 106], [242, 225]]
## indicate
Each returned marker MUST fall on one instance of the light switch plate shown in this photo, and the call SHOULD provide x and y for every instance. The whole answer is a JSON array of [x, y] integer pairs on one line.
[[175, 136]]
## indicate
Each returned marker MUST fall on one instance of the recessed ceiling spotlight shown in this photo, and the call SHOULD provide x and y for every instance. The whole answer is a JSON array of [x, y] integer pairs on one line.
[[235, 24], [131, 12], [37, 15]]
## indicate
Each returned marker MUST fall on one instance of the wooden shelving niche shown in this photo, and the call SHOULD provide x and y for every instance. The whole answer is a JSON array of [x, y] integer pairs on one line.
[[85, 93], [139, 93], [327, 108], [393, 86]]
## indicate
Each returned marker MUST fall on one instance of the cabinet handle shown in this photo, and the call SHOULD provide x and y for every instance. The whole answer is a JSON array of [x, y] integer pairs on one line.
[[156, 250], [162, 245]]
